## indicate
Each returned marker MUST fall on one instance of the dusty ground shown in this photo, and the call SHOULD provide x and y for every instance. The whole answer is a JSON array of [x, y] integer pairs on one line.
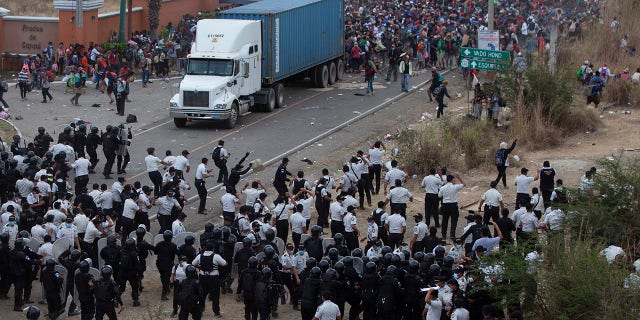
[[618, 132]]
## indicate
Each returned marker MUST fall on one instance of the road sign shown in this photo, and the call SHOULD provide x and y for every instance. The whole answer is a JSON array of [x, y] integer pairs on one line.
[[489, 39], [482, 65], [475, 53]]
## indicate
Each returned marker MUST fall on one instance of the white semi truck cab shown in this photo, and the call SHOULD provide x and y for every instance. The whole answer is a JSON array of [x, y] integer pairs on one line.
[[223, 73]]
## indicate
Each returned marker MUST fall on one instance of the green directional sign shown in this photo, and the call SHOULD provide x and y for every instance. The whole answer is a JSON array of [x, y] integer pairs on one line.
[[482, 65], [485, 54]]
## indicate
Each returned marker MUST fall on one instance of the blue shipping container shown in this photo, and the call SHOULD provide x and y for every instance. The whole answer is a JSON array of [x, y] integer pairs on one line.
[[296, 34]]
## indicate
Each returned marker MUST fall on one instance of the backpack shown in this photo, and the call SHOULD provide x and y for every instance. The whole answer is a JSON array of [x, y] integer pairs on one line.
[[499, 159], [249, 279], [62, 188], [262, 292], [561, 194], [186, 294], [369, 71], [215, 155], [235, 227], [377, 217], [438, 92]]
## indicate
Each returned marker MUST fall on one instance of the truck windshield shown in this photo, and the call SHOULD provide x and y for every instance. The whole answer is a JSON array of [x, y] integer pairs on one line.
[[210, 67]]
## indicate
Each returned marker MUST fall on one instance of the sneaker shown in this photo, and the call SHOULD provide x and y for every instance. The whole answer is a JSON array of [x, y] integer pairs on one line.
[[136, 303], [73, 313], [72, 103], [43, 101]]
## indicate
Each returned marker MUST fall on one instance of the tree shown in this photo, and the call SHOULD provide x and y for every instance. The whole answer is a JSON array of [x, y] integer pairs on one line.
[[154, 17]]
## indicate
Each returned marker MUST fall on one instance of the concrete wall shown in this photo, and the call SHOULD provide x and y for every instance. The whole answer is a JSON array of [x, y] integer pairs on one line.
[[27, 34], [30, 35]]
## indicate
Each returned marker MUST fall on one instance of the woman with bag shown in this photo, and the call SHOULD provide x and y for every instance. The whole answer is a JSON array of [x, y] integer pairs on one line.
[[77, 87], [45, 81], [23, 82], [369, 74]]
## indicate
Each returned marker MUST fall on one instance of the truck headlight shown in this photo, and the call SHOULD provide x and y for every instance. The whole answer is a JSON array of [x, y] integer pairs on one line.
[[173, 104], [220, 106]]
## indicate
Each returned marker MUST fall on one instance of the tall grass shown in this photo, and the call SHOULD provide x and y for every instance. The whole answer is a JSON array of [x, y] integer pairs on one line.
[[461, 144]]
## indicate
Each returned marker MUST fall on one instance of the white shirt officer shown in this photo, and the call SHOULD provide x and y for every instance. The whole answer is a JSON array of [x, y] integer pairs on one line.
[[449, 192], [298, 223], [492, 197], [431, 183], [152, 162], [228, 201], [349, 221], [82, 166], [130, 208], [182, 163], [396, 223], [327, 311], [336, 210]]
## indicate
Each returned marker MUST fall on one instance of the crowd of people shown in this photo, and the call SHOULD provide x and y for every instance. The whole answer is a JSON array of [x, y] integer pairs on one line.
[[277, 247], [274, 248]]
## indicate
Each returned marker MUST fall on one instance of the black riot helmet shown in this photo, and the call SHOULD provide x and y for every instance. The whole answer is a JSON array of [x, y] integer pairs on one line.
[[216, 234], [439, 252], [391, 270], [67, 130], [167, 235], [208, 227], [140, 233], [333, 254], [50, 264], [323, 265], [270, 235], [370, 267], [339, 267], [414, 266], [269, 252], [33, 313], [338, 238], [311, 263], [247, 242], [447, 263], [112, 240], [189, 240], [357, 252], [419, 256], [253, 262], [75, 255], [41, 130], [316, 231], [330, 274], [130, 244], [106, 272], [385, 250], [190, 271], [348, 261], [94, 129], [84, 266], [315, 273], [429, 258]]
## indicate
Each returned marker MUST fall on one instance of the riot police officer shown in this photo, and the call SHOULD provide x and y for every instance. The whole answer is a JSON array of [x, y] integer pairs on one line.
[[166, 252], [207, 235], [107, 294], [389, 295], [143, 248], [369, 286], [313, 245], [412, 283], [109, 146], [84, 284], [353, 292], [130, 270], [310, 294], [243, 255], [187, 249], [246, 288], [22, 263], [122, 152], [65, 137], [190, 295], [52, 283], [70, 262], [5, 265], [92, 142], [111, 255], [80, 140], [43, 141]]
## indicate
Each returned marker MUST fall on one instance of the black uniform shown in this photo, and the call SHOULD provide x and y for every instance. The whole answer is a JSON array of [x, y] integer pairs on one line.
[[188, 251], [71, 266], [79, 142], [109, 146], [412, 283], [43, 142], [23, 261], [266, 297], [129, 271], [313, 245], [84, 285], [111, 256], [52, 282], [93, 140], [107, 296], [389, 298], [337, 289], [191, 299], [310, 298], [281, 179], [353, 293], [166, 252], [5, 272], [143, 249], [246, 288], [242, 257], [369, 286]]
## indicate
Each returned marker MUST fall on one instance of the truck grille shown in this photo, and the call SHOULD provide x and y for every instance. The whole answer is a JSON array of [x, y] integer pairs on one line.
[[198, 99]]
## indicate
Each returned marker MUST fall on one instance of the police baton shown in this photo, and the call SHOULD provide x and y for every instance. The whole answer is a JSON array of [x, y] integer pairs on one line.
[[121, 308]]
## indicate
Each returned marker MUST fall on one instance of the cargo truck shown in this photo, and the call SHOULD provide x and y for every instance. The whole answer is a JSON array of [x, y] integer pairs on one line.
[[240, 61]]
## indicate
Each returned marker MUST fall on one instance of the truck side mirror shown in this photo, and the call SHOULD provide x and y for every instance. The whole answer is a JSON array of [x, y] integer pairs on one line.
[[245, 69]]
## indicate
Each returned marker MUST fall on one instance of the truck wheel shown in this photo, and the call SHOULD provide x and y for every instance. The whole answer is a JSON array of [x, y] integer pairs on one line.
[[332, 72], [180, 122], [322, 76], [271, 101], [233, 117], [339, 69], [279, 92]]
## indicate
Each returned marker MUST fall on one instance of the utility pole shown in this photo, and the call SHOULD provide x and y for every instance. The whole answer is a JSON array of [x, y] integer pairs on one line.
[[129, 17], [123, 12], [490, 15], [79, 13]]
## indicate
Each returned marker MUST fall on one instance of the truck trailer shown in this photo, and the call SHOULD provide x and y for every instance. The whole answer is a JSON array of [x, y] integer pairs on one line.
[[240, 61]]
